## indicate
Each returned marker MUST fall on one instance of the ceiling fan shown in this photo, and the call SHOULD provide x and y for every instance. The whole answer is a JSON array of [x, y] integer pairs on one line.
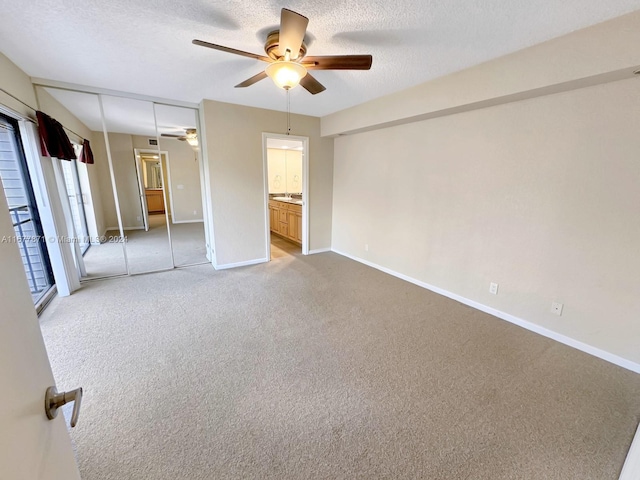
[[190, 136], [288, 63]]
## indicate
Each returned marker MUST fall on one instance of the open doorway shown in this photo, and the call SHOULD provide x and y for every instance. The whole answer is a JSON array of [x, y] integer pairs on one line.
[[153, 187], [286, 174]]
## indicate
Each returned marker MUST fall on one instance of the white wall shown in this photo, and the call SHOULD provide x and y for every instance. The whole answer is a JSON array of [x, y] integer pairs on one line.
[[234, 152], [18, 83], [540, 196]]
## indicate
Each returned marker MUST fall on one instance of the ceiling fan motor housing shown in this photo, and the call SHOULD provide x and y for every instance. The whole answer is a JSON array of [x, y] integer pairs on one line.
[[272, 47]]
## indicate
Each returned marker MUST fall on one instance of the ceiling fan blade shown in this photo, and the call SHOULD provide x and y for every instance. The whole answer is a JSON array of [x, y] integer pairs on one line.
[[339, 62], [312, 85], [293, 27], [175, 137], [232, 50], [255, 79]]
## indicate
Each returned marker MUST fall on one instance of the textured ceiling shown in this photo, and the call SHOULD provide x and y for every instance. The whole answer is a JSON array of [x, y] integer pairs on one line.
[[145, 46]]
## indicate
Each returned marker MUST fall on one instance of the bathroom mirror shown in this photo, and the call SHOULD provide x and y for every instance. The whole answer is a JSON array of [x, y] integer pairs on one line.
[[284, 166]]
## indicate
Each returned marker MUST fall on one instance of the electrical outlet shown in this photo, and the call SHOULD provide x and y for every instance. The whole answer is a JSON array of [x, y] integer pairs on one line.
[[139, 218], [366, 247], [493, 288], [195, 212], [556, 308]]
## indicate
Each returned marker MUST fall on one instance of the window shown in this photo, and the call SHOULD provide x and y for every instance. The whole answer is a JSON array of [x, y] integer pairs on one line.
[[22, 207]]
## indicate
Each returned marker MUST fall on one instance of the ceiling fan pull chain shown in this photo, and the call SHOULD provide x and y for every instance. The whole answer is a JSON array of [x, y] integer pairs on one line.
[[288, 113]]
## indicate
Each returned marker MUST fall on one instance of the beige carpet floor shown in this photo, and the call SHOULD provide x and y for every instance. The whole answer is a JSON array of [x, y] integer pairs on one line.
[[148, 250], [318, 367]]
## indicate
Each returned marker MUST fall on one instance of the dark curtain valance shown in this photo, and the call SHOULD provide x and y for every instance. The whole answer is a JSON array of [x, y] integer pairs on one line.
[[53, 139], [86, 155]]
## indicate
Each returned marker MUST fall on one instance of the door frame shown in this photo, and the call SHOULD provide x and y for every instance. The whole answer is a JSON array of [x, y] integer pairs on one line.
[[305, 189], [139, 172], [141, 193]]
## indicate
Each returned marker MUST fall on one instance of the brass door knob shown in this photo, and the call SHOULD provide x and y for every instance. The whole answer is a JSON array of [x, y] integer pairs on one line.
[[54, 400]]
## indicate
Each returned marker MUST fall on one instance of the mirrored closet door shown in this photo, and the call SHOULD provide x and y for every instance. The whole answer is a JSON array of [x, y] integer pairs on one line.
[[141, 178], [179, 143], [139, 208], [90, 197]]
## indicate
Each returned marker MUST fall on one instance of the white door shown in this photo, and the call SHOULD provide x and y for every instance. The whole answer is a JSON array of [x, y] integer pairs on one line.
[[31, 446]]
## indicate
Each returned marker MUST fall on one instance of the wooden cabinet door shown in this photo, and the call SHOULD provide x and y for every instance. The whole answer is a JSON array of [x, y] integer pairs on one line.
[[273, 219], [293, 225], [298, 221], [155, 201]]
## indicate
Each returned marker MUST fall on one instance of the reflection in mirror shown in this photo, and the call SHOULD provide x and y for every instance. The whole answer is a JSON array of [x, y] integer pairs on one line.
[[179, 143], [141, 189], [89, 189], [151, 171]]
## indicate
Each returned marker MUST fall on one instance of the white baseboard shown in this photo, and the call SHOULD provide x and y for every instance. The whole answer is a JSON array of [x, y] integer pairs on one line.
[[240, 264], [631, 468], [577, 344], [124, 228], [188, 221], [319, 250]]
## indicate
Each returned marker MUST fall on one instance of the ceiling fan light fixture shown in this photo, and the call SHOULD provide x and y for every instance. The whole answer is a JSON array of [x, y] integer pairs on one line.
[[192, 137], [286, 74]]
